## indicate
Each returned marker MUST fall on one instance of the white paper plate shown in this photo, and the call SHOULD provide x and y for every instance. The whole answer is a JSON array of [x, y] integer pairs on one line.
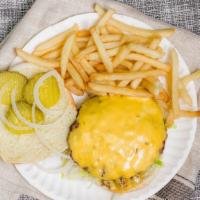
[[177, 147]]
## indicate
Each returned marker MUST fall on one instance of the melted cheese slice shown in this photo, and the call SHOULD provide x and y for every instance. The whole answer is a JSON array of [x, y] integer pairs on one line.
[[117, 136]]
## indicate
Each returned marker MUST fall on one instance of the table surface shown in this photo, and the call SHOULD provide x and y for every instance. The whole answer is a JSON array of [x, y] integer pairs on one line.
[[181, 13]]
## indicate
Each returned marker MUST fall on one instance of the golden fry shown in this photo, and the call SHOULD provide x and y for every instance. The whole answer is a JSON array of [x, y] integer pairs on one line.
[[85, 52], [113, 30], [66, 51], [111, 45], [87, 66], [104, 19], [137, 65], [54, 42], [111, 38], [80, 69], [102, 52], [139, 48], [52, 54], [144, 59], [134, 39], [75, 49], [83, 33], [82, 39], [76, 76], [191, 77], [175, 82], [95, 56], [95, 93], [127, 75], [41, 62], [135, 30], [127, 64], [100, 67], [184, 113], [118, 90], [123, 83], [81, 45], [135, 83], [70, 85], [146, 67], [122, 54], [155, 43]]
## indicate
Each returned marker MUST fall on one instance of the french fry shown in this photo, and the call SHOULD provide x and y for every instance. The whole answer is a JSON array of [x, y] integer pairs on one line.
[[111, 38], [123, 83], [93, 62], [52, 54], [155, 43], [163, 106], [159, 94], [95, 93], [146, 67], [191, 77], [105, 17], [135, 30], [70, 85], [111, 45], [100, 67], [170, 119], [102, 52], [54, 42], [183, 94], [85, 52], [82, 39], [126, 75], [87, 66], [185, 113], [90, 42], [112, 83], [81, 45], [83, 33], [120, 68], [41, 62], [99, 9], [113, 30], [103, 30], [66, 51], [140, 31], [138, 48], [135, 83], [80, 69], [75, 49], [137, 65], [76, 76], [127, 64], [95, 56], [66, 75], [134, 39], [144, 59], [122, 54], [175, 68], [118, 90]]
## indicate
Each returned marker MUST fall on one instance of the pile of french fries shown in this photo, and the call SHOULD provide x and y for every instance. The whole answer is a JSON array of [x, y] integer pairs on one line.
[[112, 57]]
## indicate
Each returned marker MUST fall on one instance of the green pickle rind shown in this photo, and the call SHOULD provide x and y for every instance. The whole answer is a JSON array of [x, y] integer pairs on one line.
[[11, 81], [25, 110], [49, 93]]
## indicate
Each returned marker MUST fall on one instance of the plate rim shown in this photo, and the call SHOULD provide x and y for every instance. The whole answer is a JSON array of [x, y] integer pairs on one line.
[[181, 161]]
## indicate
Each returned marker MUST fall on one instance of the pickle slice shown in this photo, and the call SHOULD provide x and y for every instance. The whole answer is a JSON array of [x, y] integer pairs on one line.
[[11, 80], [25, 110], [49, 93]]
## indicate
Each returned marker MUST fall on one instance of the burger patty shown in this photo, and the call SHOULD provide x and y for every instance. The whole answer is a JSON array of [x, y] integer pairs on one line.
[[117, 139]]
